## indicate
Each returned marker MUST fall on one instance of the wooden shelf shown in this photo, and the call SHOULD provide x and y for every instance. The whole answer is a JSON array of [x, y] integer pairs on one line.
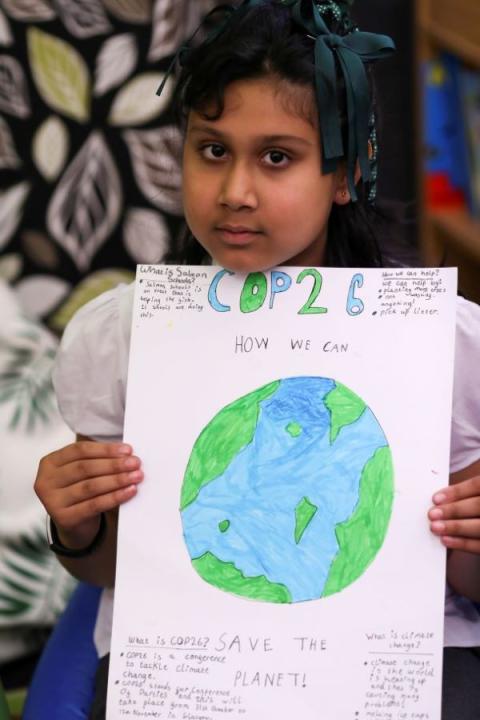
[[450, 40], [450, 237]]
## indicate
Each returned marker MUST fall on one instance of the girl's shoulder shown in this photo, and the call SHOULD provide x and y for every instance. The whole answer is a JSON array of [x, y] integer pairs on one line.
[[468, 316], [467, 340]]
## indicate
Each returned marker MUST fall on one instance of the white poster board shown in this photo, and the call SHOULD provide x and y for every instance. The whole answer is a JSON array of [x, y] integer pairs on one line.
[[293, 426]]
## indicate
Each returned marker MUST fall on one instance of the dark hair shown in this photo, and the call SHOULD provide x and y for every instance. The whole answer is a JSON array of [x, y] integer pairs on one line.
[[255, 42]]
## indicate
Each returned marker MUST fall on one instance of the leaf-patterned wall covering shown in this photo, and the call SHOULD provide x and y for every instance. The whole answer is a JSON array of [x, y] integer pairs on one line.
[[89, 173]]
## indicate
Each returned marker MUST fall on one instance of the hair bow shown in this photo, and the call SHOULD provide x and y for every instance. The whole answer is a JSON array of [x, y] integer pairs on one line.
[[352, 52]]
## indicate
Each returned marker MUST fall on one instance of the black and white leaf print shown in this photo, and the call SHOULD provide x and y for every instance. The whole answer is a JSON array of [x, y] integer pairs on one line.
[[11, 266], [40, 250], [34, 587], [116, 61], [6, 37], [60, 74], [75, 76], [14, 99], [171, 24], [156, 164], [50, 147], [83, 18], [87, 202], [27, 355], [8, 155], [130, 11], [11, 205], [137, 102], [145, 235], [41, 294], [29, 10]]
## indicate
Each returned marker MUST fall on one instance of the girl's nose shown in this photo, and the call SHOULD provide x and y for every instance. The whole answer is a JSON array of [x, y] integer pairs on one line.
[[237, 190]]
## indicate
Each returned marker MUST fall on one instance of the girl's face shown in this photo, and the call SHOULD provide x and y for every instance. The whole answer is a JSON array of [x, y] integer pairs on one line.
[[253, 190]]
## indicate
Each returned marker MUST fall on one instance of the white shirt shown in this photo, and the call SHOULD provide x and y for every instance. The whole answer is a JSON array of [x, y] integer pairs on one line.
[[90, 381]]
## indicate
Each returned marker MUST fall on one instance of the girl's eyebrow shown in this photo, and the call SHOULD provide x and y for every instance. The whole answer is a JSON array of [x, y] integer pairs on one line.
[[264, 139]]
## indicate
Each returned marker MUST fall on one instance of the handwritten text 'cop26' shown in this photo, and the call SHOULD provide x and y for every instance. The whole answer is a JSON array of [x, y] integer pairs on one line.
[[258, 287]]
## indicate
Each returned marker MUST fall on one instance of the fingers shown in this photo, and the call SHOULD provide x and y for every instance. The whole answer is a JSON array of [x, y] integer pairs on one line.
[[87, 450], [80, 460], [71, 517], [80, 470], [97, 486], [469, 508], [458, 535], [457, 528], [461, 543], [461, 491], [455, 517]]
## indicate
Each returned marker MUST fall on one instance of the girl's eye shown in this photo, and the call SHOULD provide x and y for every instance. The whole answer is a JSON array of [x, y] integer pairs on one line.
[[276, 158], [213, 151]]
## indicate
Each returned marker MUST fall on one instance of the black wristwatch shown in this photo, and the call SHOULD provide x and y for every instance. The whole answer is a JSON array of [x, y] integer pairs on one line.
[[58, 548]]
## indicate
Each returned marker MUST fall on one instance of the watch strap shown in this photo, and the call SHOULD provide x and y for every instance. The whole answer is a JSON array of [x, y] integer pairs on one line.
[[59, 548]]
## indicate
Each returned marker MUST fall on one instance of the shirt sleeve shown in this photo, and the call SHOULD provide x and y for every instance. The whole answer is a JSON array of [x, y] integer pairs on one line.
[[90, 374], [465, 440]]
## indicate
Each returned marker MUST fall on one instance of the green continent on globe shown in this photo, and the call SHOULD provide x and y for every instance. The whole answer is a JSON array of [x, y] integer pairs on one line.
[[361, 536], [345, 408], [294, 429], [224, 525], [226, 576], [304, 514], [221, 440]]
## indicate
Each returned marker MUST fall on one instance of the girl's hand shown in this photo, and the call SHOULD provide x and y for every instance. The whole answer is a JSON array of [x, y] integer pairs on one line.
[[82, 480], [455, 517]]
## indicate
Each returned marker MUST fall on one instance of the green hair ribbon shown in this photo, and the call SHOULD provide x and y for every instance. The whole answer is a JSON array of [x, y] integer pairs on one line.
[[352, 51]]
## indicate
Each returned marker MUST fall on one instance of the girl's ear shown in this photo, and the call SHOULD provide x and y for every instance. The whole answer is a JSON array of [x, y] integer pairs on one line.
[[342, 193]]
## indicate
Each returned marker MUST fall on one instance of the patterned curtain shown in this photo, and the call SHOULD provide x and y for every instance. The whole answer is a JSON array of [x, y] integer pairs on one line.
[[89, 154]]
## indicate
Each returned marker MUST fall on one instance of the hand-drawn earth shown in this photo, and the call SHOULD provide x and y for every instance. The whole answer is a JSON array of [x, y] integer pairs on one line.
[[288, 492]]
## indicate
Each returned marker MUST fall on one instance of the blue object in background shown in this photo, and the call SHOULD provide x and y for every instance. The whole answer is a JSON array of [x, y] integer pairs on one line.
[[444, 131], [469, 91], [459, 161], [62, 686], [436, 131]]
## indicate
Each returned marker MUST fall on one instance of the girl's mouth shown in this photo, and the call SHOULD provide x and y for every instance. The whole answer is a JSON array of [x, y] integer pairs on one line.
[[237, 234]]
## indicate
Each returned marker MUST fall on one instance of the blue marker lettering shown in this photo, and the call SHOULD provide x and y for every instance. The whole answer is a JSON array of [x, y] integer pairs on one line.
[[280, 283], [355, 306], [212, 292]]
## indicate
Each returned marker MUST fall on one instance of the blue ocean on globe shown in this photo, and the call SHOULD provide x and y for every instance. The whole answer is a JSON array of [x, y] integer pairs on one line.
[[276, 509]]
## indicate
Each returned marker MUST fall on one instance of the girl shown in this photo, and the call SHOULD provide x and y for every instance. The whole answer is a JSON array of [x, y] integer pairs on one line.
[[279, 168]]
